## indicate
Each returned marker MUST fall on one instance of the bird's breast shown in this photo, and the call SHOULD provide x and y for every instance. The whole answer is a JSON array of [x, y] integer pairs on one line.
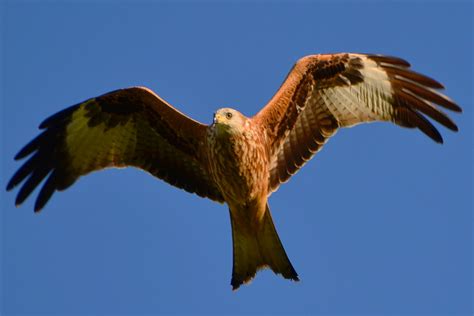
[[239, 165]]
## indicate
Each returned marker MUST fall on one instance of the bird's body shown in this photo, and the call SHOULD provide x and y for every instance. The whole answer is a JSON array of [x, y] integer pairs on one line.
[[236, 160]]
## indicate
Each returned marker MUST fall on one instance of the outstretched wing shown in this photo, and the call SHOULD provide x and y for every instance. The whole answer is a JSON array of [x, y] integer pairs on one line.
[[128, 127], [324, 92]]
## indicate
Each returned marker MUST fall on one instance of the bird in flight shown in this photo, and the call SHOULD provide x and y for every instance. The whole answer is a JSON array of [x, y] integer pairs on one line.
[[236, 160]]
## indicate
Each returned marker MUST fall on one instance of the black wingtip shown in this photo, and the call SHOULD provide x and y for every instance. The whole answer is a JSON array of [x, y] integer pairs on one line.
[[19, 200], [436, 136], [9, 186], [25, 151], [22, 153], [46, 191], [456, 108]]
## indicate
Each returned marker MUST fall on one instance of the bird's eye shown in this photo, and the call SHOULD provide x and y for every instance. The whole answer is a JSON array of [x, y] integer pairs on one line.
[[228, 115]]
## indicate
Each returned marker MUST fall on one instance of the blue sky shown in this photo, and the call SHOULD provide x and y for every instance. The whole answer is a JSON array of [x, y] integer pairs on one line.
[[379, 222]]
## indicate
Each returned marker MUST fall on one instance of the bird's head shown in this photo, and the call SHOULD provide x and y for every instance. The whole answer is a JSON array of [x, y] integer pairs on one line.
[[229, 121]]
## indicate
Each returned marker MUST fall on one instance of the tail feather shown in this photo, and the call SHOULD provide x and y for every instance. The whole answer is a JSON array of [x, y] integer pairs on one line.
[[258, 248]]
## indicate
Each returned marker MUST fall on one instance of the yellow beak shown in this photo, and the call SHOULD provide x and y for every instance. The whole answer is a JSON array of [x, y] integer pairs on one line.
[[217, 118]]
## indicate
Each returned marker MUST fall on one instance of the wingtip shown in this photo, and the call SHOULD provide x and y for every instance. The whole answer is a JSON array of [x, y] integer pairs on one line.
[[37, 209], [456, 108], [20, 199], [40, 203], [18, 156], [9, 187], [439, 85], [47, 121], [439, 140], [436, 136]]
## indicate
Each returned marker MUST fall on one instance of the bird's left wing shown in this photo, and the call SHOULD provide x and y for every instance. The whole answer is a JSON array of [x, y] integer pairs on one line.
[[127, 127], [324, 92]]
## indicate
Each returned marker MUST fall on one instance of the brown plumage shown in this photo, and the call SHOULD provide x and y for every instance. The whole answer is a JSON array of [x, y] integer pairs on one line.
[[236, 160]]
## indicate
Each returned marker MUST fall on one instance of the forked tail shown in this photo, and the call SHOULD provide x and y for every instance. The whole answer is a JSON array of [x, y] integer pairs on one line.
[[257, 248]]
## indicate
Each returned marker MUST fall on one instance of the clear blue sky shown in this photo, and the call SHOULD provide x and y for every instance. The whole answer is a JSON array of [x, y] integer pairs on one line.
[[379, 222]]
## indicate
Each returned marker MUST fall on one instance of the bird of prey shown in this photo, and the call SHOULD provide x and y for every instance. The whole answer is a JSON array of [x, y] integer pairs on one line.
[[236, 160]]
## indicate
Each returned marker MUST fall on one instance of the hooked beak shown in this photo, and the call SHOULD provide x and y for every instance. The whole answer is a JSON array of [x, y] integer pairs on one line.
[[216, 118]]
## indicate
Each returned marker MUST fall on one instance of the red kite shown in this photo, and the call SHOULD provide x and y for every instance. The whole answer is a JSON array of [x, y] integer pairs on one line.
[[236, 160]]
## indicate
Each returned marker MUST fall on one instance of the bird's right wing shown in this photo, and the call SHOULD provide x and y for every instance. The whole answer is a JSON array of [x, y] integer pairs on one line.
[[127, 127], [325, 92]]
